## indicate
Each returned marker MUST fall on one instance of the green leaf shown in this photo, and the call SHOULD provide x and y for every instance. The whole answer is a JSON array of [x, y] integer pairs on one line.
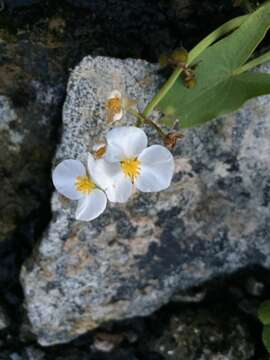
[[221, 87], [218, 33], [266, 337], [264, 312]]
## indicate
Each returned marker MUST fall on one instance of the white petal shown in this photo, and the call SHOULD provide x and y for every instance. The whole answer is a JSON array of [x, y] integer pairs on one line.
[[91, 163], [114, 153], [125, 142], [64, 178], [118, 116], [157, 168], [91, 206], [114, 94], [110, 177], [120, 189], [102, 172]]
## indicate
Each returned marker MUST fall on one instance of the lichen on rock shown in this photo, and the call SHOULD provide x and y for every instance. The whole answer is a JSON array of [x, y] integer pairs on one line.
[[212, 221]]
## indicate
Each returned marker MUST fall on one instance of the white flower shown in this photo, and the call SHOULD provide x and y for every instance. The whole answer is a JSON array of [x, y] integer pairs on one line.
[[114, 106], [128, 162], [70, 178], [117, 105]]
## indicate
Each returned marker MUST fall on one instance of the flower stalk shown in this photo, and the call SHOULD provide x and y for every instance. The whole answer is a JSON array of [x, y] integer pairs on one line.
[[142, 119]]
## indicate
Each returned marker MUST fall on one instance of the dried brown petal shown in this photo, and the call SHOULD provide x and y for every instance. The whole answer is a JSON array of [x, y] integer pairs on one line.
[[100, 152], [170, 139], [114, 107]]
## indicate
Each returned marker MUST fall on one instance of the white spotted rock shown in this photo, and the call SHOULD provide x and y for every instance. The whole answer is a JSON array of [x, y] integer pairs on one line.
[[212, 221]]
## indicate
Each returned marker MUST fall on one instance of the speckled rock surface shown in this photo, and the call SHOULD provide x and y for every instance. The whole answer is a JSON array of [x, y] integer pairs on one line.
[[212, 221], [204, 335]]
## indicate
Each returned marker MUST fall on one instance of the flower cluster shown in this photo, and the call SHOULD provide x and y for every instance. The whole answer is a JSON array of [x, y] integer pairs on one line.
[[126, 164], [122, 163]]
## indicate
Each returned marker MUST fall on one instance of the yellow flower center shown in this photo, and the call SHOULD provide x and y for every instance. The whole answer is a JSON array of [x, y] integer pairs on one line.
[[114, 105], [84, 184], [131, 168]]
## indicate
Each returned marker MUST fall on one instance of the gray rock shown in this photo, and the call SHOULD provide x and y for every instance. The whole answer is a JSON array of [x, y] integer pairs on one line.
[[29, 102], [21, 154], [212, 221], [30, 115], [4, 319], [204, 335], [33, 353]]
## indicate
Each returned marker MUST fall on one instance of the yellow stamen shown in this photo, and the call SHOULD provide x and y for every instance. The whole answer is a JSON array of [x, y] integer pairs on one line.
[[84, 184], [114, 107], [131, 168], [114, 104], [100, 152]]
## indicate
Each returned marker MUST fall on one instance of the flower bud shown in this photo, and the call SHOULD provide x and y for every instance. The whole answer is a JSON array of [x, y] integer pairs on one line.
[[179, 56], [99, 150], [190, 83]]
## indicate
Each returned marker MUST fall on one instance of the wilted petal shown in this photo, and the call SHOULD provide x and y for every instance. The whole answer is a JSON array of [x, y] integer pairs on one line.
[[64, 178], [114, 106], [125, 142], [157, 168], [118, 116], [114, 94], [91, 206]]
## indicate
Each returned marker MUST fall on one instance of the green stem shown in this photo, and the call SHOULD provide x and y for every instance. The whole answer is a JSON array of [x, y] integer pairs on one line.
[[253, 63], [194, 53], [162, 92], [138, 115], [144, 120]]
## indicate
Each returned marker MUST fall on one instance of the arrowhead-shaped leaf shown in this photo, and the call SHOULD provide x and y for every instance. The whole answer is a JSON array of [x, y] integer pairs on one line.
[[221, 87]]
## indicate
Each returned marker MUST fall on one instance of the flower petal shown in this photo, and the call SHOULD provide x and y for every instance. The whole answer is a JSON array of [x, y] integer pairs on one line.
[[157, 168], [102, 172], [115, 93], [110, 177], [91, 164], [115, 116], [120, 189], [91, 206], [118, 116], [114, 153], [125, 142], [64, 178]]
